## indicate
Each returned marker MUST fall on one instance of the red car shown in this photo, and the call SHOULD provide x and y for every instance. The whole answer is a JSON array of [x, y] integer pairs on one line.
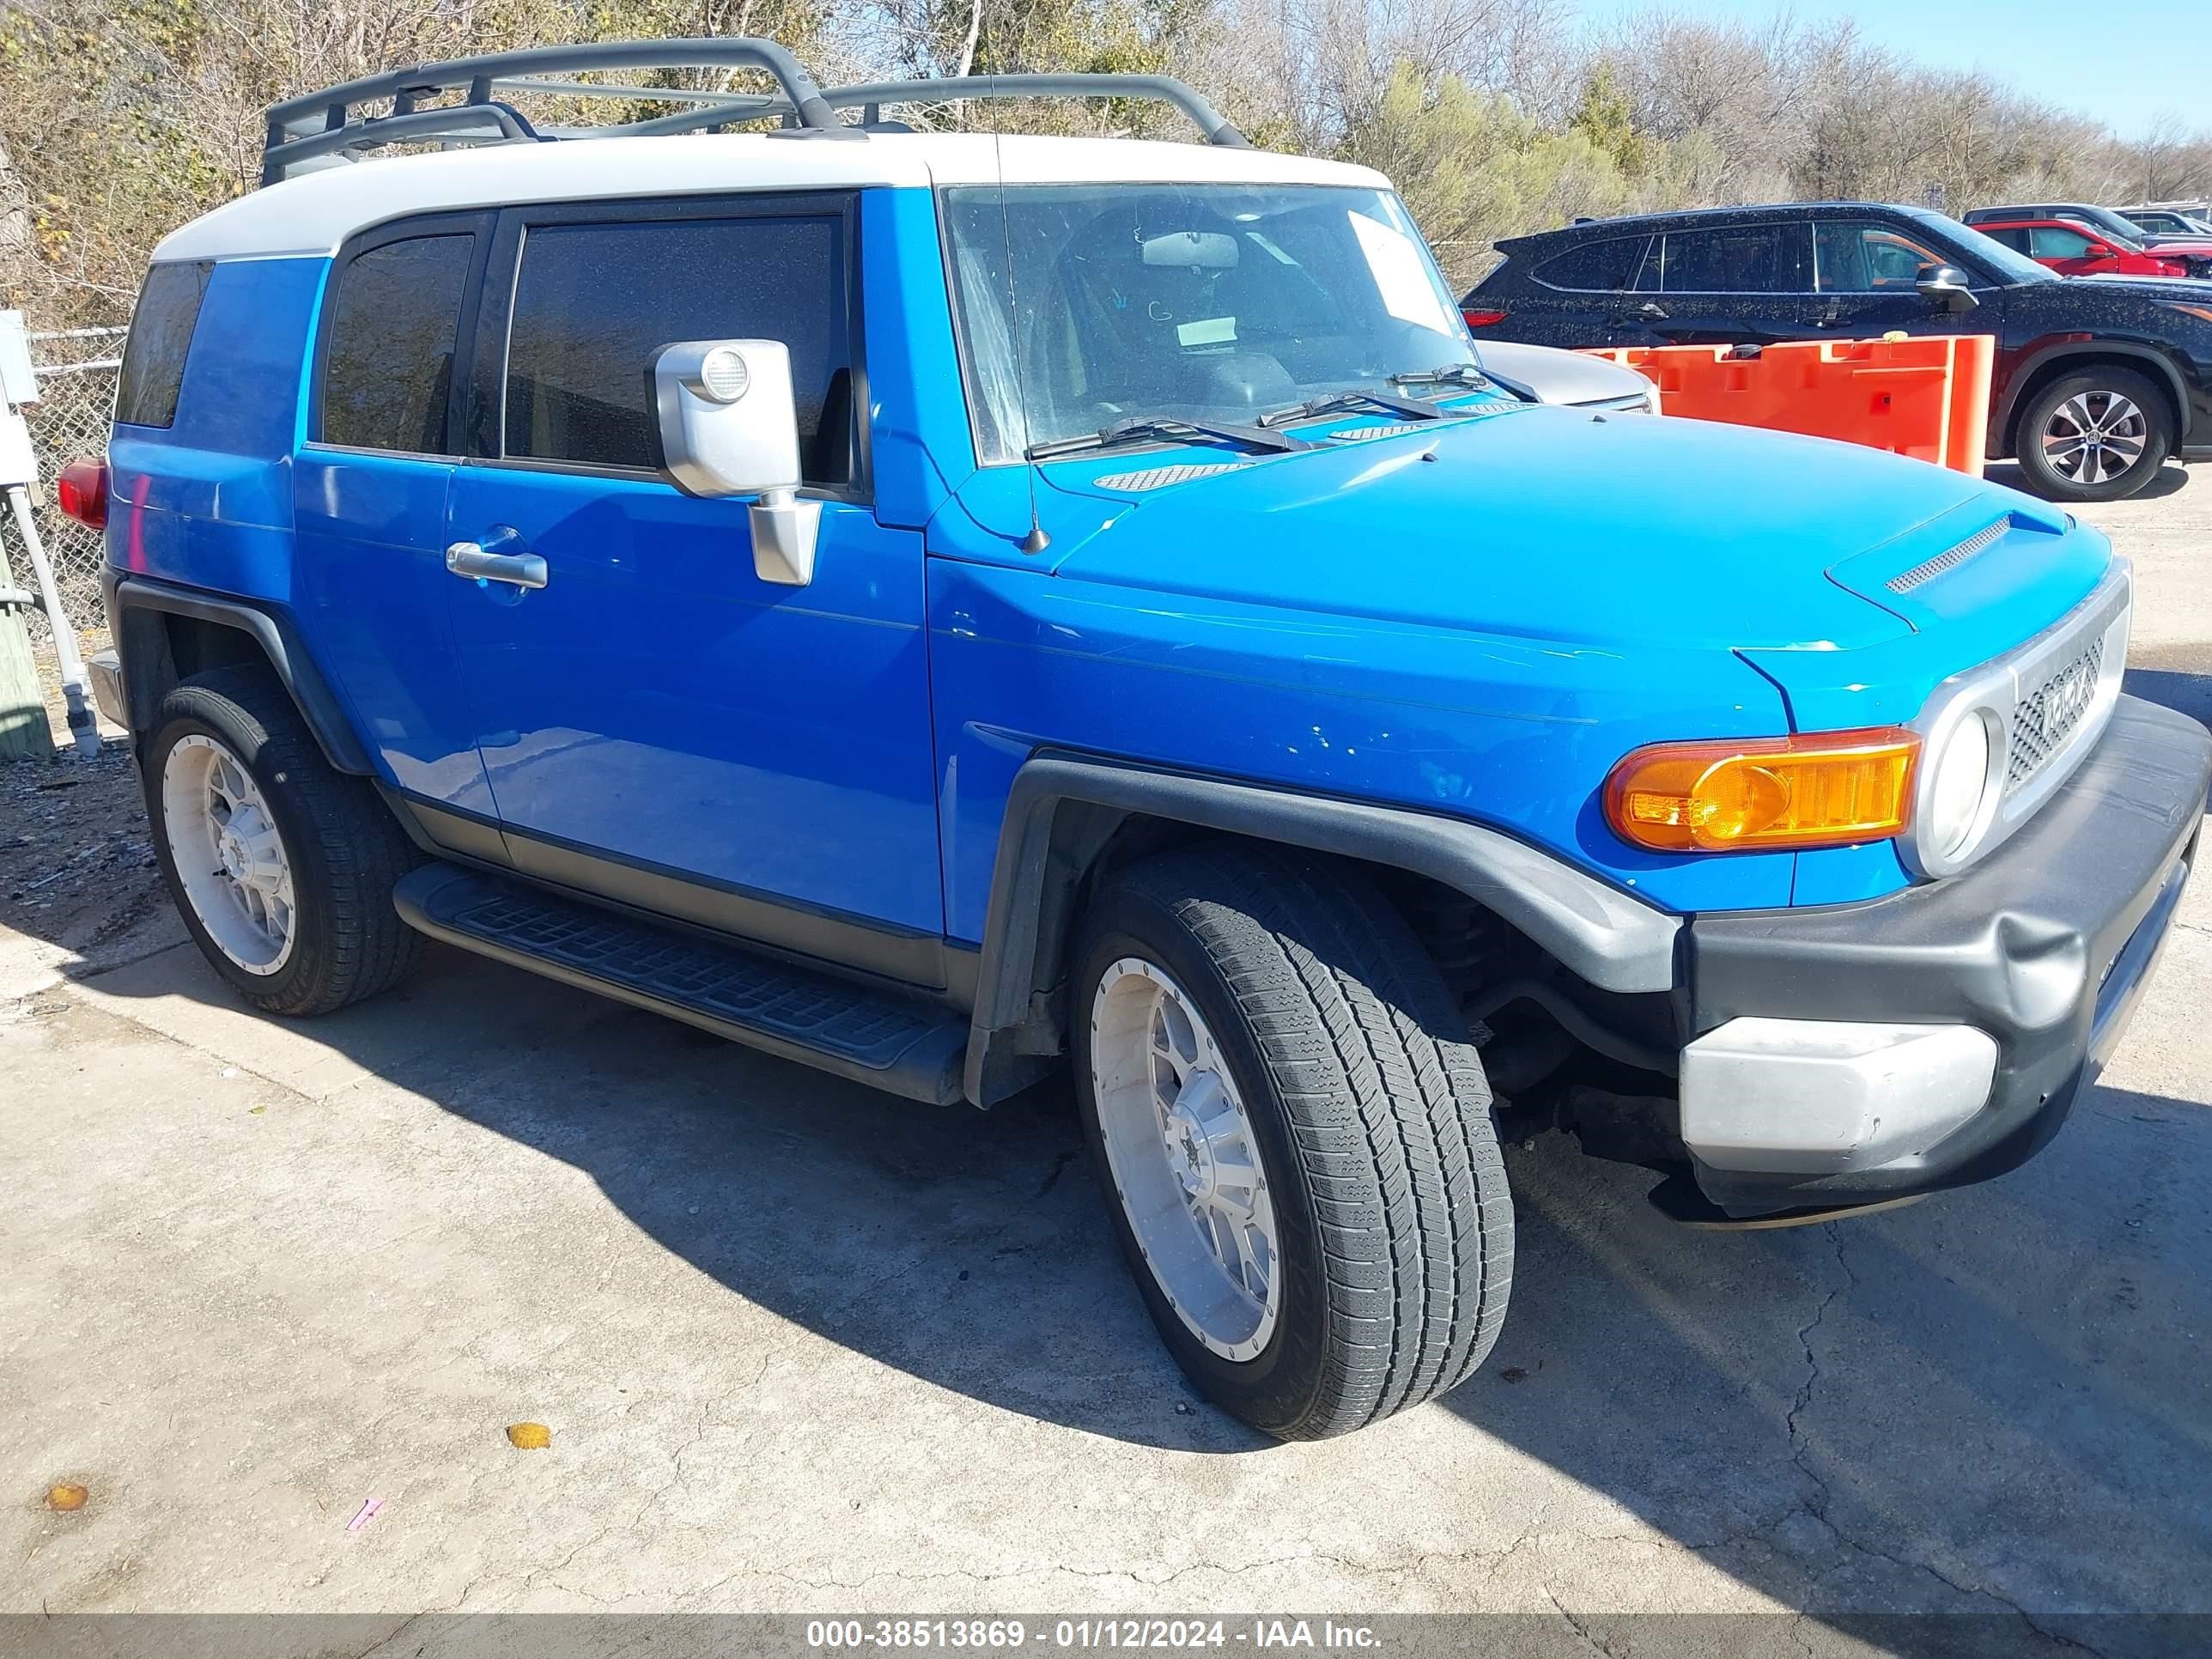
[[2074, 250]]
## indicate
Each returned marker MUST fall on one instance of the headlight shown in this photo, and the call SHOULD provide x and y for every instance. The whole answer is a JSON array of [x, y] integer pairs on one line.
[[1956, 787]]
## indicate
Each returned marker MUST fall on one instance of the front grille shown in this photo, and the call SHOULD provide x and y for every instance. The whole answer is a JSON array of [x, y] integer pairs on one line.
[[2052, 712]]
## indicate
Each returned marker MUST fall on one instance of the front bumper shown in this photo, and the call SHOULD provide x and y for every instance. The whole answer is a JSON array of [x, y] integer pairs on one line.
[[2042, 948]]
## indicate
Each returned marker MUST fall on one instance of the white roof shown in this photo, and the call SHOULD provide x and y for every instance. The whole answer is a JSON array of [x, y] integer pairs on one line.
[[315, 212]]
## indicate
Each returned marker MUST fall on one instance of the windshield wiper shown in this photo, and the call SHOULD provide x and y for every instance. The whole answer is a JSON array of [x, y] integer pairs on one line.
[[1466, 375], [1140, 429], [1418, 408]]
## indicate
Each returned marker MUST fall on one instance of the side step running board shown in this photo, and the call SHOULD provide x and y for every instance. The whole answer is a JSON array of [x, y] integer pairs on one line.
[[909, 1048]]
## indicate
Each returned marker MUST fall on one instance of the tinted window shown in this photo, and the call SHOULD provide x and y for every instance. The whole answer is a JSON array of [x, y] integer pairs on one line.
[[160, 335], [1864, 256], [1596, 266], [390, 358], [1735, 259], [2103, 222], [2014, 240], [2053, 242], [1647, 272], [593, 303]]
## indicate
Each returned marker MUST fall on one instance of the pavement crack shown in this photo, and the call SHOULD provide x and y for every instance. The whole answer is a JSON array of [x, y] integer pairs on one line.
[[1059, 1168], [1575, 1623], [1799, 1450]]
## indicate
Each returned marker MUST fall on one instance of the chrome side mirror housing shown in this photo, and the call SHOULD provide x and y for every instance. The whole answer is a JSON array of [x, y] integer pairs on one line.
[[1948, 286], [729, 426]]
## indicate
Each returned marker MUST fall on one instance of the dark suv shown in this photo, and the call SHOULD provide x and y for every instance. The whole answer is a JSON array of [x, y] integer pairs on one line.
[[2096, 383]]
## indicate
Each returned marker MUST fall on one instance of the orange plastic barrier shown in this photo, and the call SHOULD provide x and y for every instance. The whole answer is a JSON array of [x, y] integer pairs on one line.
[[1927, 396]]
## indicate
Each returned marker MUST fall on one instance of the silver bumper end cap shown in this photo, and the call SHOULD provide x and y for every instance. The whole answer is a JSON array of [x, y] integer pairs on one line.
[[1829, 1097], [104, 670]]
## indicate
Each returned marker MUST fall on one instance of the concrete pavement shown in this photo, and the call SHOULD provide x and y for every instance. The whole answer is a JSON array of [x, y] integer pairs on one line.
[[802, 1348]]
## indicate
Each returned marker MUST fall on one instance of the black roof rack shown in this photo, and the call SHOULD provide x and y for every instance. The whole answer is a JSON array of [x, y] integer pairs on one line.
[[323, 124]]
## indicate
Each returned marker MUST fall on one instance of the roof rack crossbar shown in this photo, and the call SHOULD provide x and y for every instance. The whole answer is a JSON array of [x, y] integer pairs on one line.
[[461, 124], [716, 109], [604, 89], [404, 86], [1164, 88], [704, 118]]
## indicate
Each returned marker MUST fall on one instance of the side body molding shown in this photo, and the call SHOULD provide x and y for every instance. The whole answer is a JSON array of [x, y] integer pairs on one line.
[[1063, 808]]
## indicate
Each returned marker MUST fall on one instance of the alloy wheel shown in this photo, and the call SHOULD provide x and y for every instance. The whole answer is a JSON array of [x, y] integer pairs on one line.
[[2094, 436], [230, 857], [1185, 1161]]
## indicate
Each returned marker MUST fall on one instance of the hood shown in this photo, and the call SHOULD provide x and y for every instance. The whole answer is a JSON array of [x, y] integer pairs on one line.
[[1561, 377], [1541, 523]]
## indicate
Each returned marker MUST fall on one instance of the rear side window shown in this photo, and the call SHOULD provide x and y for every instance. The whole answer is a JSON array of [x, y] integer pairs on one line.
[[1601, 266], [1737, 259], [2056, 242], [160, 337], [593, 303], [388, 362]]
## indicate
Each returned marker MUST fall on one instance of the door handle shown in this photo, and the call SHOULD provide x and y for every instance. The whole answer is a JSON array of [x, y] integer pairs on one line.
[[472, 560], [1648, 311]]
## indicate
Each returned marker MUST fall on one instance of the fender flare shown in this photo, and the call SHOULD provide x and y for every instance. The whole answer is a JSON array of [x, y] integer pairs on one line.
[[1063, 808], [2150, 357], [270, 628]]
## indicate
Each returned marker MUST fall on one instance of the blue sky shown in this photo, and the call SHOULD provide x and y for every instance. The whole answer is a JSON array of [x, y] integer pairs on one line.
[[2124, 63]]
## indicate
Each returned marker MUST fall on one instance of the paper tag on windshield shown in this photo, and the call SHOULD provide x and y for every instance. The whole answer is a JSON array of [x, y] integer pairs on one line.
[[1401, 275], [1207, 331]]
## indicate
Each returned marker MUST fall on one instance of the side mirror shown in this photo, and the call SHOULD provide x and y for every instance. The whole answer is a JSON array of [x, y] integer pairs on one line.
[[729, 427], [1948, 286], [2097, 251]]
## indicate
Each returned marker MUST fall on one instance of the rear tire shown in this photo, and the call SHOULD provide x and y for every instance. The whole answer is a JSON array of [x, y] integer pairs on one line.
[[282, 866], [1306, 1010], [2098, 435]]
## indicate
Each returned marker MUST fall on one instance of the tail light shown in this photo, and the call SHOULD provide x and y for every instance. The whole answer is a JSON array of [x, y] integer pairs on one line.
[[1481, 319], [82, 492]]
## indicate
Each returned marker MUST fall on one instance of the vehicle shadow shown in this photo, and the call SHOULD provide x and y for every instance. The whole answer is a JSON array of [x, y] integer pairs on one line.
[[2171, 479], [2187, 690], [1993, 1398], [1985, 1401]]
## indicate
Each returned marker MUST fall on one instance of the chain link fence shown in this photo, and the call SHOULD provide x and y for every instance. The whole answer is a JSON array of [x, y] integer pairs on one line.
[[77, 370]]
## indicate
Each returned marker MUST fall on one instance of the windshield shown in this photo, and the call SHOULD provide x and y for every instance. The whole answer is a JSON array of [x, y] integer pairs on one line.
[[2129, 236], [1083, 305], [2007, 264]]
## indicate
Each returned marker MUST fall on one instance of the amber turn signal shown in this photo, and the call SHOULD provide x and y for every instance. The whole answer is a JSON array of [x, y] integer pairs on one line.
[[1821, 789]]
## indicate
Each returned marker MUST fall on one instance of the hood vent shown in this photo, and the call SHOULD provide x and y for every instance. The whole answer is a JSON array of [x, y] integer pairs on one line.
[[1980, 542], [1399, 430], [1159, 478]]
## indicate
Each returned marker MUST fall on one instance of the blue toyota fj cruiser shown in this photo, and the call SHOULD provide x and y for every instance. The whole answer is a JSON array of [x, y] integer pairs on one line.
[[944, 607]]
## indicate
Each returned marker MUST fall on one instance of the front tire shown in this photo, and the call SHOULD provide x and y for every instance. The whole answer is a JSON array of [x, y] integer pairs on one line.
[[282, 866], [2099, 434], [1293, 1132]]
